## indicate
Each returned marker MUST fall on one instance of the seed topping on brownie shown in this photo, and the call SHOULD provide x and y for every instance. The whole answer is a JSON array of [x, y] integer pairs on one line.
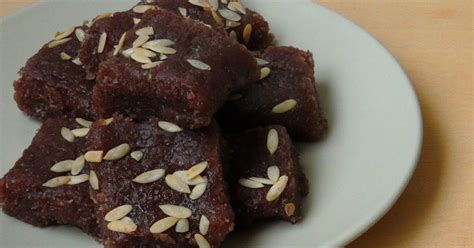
[[102, 42], [80, 132], [83, 122], [77, 165], [196, 170], [278, 188], [125, 225], [80, 34], [117, 152], [93, 180], [73, 180], [149, 176], [199, 64], [163, 224], [177, 184], [56, 182], [140, 9], [94, 156], [183, 11], [182, 226], [62, 166], [169, 127], [137, 155], [204, 225], [176, 211], [64, 56], [250, 183], [284, 106], [67, 134], [118, 212], [264, 72], [272, 141], [201, 241], [273, 173]]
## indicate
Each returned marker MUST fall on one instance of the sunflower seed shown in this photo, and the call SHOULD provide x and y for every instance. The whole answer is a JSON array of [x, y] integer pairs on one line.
[[93, 180], [169, 127], [77, 61], [182, 226], [117, 152], [136, 20], [83, 122], [122, 226], [236, 6], [290, 209], [250, 184], [214, 4], [163, 57], [273, 173], [80, 132], [101, 16], [262, 62], [177, 184], [149, 176], [278, 188], [217, 18], [176, 211], [78, 179], [137, 155], [94, 156], [109, 120], [145, 31], [160, 49], [127, 53], [224, 1], [200, 3], [119, 46], [80, 34], [142, 8], [64, 56], [62, 166], [144, 52], [183, 11], [67, 134], [196, 170], [198, 191], [151, 65], [262, 180], [231, 24], [142, 39], [158, 42], [102, 41], [233, 35], [284, 106], [195, 181], [204, 225], [141, 58], [56, 182], [264, 72], [247, 33], [77, 165], [199, 64], [201, 241], [65, 34], [229, 15], [272, 141], [56, 43], [163, 224], [118, 212]]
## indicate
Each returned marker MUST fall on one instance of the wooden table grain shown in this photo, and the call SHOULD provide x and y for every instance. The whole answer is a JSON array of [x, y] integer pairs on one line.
[[433, 40]]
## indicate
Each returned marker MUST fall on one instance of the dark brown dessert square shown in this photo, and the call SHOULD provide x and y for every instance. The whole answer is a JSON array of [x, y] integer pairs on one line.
[[53, 82], [285, 96], [202, 66], [39, 190], [145, 198], [268, 181]]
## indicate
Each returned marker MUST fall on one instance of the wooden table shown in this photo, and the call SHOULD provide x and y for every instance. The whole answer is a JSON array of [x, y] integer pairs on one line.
[[433, 40]]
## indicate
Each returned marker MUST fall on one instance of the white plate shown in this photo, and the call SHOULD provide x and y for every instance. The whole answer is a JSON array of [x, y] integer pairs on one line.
[[356, 173]]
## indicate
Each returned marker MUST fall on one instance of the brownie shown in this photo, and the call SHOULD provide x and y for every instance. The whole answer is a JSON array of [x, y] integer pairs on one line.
[[53, 83], [287, 97], [259, 36], [23, 195], [187, 88], [169, 152], [254, 186]]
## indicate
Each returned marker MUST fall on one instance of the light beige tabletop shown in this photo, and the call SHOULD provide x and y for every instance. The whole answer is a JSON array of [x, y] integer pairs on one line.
[[433, 40]]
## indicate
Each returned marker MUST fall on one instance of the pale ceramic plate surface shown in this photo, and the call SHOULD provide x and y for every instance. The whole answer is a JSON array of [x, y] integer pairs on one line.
[[356, 173]]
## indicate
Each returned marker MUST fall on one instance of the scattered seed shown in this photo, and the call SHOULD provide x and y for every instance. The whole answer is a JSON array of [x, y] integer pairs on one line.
[[77, 61], [214, 4], [94, 156], [233, 35], [224, 1], [102, 41], [195, 181], [117, 152], [141, 58], [160, 49], [169, 127], [231, 24], [272, 141], [163, 224], [101, 16], [136, 20], [67, 134], [158, 42], [122, 226], [142, 39], [262, 180], [83, 122], [217, 18], [93, 180], [198, 191], [262, 62], [290, 209], [229, 15], [142, 8], [56, 182], [119, 46], [250, 184], [204, 225], [264, 72], [144, 52], [177, 184], [118, 212], [62, 166], [199, 64], [182, 226], [56, 43], [176, 211], [236, 6], [149, 176], [151, 65], [64, 56], [273, 173], [65, 34], [80, 132], [145, 31], [109, 120], [77, 165], [127, 53], [196, 170], [137, 155], [201, 241], [183, 11], [278, 188], [78, 179], [80, 34], [247, 33], [284, 106], [200, 3], [163, 57]]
